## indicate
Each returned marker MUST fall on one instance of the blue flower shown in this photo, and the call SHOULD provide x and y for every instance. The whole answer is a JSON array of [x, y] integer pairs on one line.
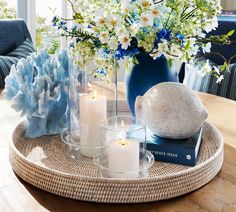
[[163, 34], [55, 20], [63, 23], [54, 24], [145, 30], [101, 72], [179, 36], [129, 52], [105, 52], [74, 28], [121, 53], [72, 45]]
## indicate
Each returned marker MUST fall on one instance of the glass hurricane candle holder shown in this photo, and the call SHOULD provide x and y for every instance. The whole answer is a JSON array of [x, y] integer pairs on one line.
[[91, 100], [123, 153]]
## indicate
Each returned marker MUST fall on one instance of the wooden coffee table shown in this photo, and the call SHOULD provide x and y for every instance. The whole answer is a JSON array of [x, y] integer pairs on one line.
[[218, 195]]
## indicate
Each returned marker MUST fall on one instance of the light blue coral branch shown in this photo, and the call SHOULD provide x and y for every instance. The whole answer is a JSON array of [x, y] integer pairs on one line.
[[37, 87]]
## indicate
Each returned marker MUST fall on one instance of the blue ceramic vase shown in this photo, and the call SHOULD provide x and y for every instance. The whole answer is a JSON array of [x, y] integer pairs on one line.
[[147, 73]]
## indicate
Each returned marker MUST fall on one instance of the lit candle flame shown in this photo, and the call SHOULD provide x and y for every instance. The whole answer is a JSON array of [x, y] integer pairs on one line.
[[122, 123], [123, 142], [89, 84], [94, 94]]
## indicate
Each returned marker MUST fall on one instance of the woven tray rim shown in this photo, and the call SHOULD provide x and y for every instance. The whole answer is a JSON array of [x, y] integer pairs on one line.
[[104, 190], [149, 179]]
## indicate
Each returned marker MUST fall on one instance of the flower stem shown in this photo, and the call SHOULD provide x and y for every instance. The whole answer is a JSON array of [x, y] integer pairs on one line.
[[189, 14], [72, 6], [157, 2], [214, 53]]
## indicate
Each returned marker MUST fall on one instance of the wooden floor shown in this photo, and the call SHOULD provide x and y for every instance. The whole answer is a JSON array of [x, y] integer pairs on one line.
[[218, 195]]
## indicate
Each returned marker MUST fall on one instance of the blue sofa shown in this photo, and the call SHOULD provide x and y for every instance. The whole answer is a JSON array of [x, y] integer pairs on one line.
[[12, 34], [15, 43], [227, 88]]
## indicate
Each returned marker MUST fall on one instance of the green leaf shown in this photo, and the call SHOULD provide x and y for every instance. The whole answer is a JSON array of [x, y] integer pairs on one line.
[[230, 33], [170, 62], [188, 45], [224, 66], [54, 47], [187, 56], [135, 61]]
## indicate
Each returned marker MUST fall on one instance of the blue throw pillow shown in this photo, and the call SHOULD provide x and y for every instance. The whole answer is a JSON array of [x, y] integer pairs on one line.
[[207, 84], [13, 57], [5, 65], [25, 49]]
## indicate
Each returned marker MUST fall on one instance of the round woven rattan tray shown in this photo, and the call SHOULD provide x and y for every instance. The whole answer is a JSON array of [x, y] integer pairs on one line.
[[43, 162]]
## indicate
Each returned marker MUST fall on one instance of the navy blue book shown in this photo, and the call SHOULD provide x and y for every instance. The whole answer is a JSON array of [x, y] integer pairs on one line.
[[177, 151]]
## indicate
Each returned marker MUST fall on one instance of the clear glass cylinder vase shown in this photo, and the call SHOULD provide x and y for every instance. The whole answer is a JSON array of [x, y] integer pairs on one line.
[[123, 153], [91, 101]]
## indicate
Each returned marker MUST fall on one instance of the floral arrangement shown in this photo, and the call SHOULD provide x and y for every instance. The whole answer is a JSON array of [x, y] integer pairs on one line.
[[37, 87], [107, 31]]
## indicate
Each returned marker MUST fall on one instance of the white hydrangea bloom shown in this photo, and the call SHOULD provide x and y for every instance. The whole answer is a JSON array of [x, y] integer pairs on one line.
[[100, 21], [206, 48], [146, 19], [175, 52], [125, 7], [205, 69], [216, 70], [113, 21], [134, 29], [162, 49], [125, 41], [145, 3], [210, 24], [120, 31], [155, 13], [113, 43], [104, 37], [220, 79], [200, 33]]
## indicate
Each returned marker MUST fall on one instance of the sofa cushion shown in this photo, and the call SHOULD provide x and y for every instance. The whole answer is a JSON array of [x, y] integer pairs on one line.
[[13, 34], [23, 50], [5, 65], [13, 57], [207, 84]]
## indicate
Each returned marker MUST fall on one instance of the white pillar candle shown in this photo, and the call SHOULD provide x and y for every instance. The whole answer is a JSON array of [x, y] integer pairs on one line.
[[123, 159], [93, 110]]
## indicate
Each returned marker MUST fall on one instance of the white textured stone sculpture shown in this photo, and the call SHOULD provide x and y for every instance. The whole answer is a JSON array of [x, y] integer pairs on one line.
[[171, 110]]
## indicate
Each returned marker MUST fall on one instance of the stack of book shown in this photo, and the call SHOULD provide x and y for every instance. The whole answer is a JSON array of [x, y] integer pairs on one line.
[[177, 151]]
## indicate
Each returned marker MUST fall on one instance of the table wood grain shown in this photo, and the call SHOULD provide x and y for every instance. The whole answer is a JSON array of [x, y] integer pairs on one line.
[[218, 195]]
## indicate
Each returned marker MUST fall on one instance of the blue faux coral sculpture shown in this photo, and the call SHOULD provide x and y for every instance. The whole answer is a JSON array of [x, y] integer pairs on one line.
[[37, 86]]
